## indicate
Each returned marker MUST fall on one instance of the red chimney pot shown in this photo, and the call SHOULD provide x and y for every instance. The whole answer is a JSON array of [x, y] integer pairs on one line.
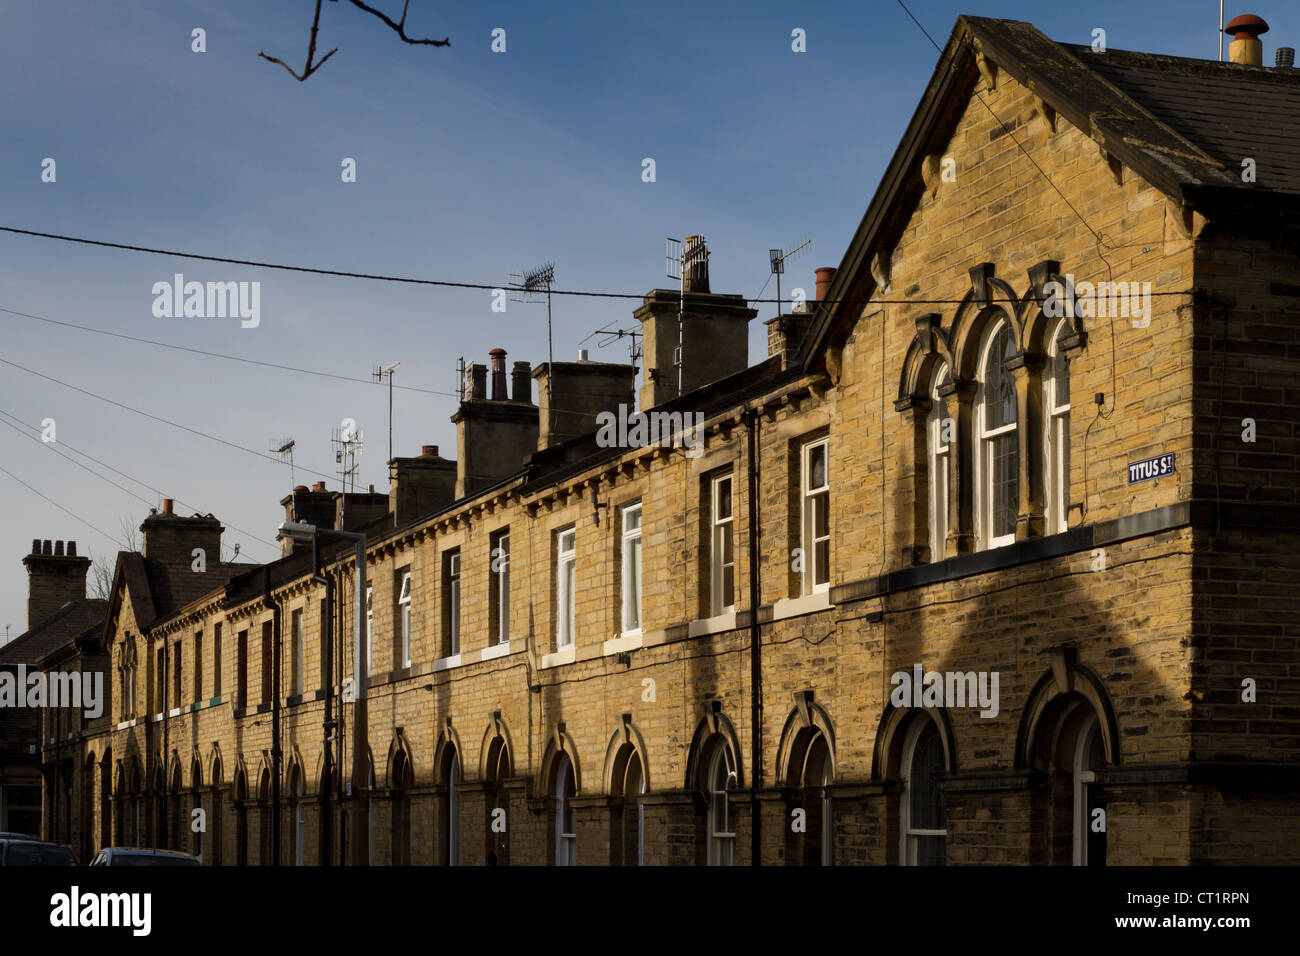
[[167, 506], [1247, 24]]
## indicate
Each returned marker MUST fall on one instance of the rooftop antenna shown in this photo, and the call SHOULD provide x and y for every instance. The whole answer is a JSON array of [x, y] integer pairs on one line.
[[685, 260], [615, 335], [460, 380], [347, 453], [528, 287], [284, 448], [1220, 31], [778, 259], [380, 373]]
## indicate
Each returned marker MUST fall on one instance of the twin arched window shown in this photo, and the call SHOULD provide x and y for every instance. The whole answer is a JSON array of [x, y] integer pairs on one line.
[[996, 442]]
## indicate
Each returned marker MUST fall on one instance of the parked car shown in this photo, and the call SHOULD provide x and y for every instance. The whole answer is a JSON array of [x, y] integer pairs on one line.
[[142, 856], [29, 851]]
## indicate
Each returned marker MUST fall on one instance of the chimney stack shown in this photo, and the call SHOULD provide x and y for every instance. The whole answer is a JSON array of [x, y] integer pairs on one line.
[[571, 394], [171, 539], [493, 435], [420, 486], [53, 578], [1245, 47]]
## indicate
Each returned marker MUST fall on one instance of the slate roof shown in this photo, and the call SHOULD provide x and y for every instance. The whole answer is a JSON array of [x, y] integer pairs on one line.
[[54, 631], [1229, 110]]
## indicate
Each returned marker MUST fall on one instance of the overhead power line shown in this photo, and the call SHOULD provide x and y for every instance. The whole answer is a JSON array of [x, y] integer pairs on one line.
[[446, 283], [71, 514]]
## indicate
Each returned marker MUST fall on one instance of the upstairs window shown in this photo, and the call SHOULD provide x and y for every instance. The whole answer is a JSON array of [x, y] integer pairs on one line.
[[216, 660], [404, 615], [499, 588], [939, 428], [631, 555], [1056, 385], [997, 471], [295, 630], [722, 548], [565, 583], [241, 681], [198, 666], [816, 531], [451, 603]]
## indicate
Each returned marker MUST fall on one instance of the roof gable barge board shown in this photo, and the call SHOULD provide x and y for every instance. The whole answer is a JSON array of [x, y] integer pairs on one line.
[[901, 186]]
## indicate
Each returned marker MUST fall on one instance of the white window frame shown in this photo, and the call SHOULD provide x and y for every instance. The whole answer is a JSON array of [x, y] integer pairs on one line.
[[566, 841], [500, 585], [453, 810], [721, 571], [1084, 777], [938, 451], [404, 608], [1056, 465], [370, 633], [296, 625], [453, 602], [984, 439], [908, 832], [566, 579], [722, 770], [630, 591], [809, 497]]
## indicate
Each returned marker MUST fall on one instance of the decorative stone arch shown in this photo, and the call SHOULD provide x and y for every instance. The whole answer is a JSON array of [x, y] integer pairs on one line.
[[448, 742], [887, 754], [399, 745], [239, 779], [489, 749], [196, 770], [1035, 323], [1065, 677], [801, 727], [968, 339], [928, 349], [295, 764], [625, 736], [714, 723], [560, 742], [215, 767]]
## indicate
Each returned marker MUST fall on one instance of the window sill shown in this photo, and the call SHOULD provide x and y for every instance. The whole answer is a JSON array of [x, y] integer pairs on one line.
[[157, 717], [628, 641], [293, 700], [565, 655], [725, 621], [807, 604], [197, 705], [494, 651], [174, 712], [446, 663]]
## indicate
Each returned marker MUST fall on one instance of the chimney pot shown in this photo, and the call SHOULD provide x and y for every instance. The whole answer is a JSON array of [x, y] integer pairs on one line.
[[47, 547], [58, 549], [429, 451], [522, 382], [825, 276], [298, 488], [1285, 57], [696, 270], [36, 545], [582, 355], [167, 506], [498, 359], [318, 486], [475, 381], [1245, 47], [72, 549]]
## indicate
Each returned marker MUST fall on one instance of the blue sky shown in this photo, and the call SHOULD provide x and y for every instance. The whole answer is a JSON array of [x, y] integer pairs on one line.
[[470, 165]]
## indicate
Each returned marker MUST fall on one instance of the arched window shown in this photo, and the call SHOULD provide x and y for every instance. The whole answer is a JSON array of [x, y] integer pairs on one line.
[[721, 780], [1089, 803], [923, 825], [629, 783], [370, 818], [818, 774], [241, 818], [453, 807], [196, 786], [264, 800], [566, 827], [496, 770], [938, 431], [1056, 402], [400, 805], [997, 449], [299, 808]]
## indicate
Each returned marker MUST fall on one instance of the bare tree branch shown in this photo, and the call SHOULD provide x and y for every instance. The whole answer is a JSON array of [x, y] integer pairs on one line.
[[400, 25], [310, 68]]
